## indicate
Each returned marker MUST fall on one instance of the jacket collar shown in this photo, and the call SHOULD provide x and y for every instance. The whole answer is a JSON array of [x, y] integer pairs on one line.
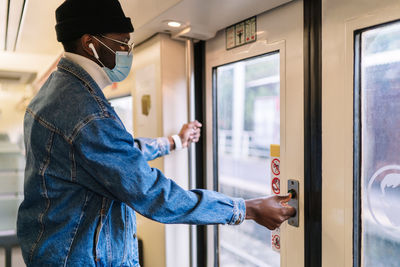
[[76, 70], [92, 68]]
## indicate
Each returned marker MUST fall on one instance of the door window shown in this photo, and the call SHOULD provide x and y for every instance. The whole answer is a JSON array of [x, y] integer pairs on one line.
[[379, 68], [247, 123]]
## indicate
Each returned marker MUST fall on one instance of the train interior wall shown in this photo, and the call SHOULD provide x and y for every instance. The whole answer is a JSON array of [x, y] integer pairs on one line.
[[157, 88]]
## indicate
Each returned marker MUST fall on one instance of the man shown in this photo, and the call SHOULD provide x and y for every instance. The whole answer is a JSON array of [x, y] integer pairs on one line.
[[85, 175]]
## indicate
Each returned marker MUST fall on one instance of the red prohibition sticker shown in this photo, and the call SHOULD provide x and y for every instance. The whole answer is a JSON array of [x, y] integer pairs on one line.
[[276, 186], [275, 166], [276, 241]]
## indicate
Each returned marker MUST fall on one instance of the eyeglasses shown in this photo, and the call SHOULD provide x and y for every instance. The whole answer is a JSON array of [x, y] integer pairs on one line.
[[130, 45]]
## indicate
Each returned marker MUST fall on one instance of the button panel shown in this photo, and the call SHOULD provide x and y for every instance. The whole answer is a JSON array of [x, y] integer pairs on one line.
[[293, 188]]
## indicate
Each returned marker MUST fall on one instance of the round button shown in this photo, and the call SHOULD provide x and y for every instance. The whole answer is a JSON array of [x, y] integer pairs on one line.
[[293, 192]]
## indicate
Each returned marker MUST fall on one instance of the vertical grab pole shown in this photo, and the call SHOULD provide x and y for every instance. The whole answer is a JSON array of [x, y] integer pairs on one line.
[[191, 149]]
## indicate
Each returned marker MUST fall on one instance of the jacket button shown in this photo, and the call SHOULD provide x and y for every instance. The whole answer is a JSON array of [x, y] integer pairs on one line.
[[134, 236]]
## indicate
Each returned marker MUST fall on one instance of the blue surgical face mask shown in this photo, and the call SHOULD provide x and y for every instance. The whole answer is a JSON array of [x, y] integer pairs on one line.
[[123, 64]]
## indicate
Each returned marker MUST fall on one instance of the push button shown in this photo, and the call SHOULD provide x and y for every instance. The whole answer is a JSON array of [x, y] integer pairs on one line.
[[293, 193]]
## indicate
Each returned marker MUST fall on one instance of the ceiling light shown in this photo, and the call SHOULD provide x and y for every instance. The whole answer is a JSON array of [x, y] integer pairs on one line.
[[174, 24]]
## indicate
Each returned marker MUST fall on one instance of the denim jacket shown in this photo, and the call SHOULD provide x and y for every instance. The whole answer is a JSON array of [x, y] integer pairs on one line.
[[86, 176]]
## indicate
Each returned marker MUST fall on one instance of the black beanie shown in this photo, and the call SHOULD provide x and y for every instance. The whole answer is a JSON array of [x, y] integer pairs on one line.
[[78, 17]]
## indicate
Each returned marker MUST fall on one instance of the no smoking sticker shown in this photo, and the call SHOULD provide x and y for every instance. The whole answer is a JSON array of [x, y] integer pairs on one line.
[[276, 242], [276, 186], [275, 166]]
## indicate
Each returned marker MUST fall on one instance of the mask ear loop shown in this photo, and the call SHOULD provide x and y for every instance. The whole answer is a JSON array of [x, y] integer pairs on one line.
[[104, 44]]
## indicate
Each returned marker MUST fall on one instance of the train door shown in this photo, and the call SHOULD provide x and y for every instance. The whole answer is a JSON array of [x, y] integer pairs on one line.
[[254, 99], [360, 119]]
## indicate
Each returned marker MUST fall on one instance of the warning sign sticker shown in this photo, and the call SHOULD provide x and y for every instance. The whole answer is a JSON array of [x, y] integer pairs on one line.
[[275, 166], [276, 186], [276, 242]]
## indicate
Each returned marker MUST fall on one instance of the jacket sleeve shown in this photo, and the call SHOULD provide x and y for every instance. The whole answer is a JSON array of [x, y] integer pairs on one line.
[[152, 148], [120, 172]]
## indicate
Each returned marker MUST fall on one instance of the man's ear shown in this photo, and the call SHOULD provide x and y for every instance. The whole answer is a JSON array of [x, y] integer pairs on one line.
[[86, 40]]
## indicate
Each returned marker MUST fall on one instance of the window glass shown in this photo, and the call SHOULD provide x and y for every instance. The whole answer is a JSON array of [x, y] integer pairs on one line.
[[123, 107], [380, 145], [248, 120]]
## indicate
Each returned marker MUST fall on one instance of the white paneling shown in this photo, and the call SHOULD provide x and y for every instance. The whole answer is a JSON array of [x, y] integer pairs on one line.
[[159, 71], [147, 57], [206, 16], [38, 33], [3, 19], [175, 114], [13, 22], [142, 12]]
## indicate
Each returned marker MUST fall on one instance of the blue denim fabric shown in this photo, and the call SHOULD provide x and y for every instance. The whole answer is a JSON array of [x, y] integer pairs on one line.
[[86, 176]]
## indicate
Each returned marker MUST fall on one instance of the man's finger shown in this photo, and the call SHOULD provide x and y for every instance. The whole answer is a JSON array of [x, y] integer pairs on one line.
[[194, 138], [197, 123], [285, 199]]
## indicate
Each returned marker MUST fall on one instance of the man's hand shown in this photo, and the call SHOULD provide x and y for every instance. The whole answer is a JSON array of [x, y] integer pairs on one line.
[[270, 212], [190, 133]]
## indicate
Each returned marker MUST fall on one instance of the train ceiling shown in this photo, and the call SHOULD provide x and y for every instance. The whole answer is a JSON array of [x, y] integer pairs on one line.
[[27, 26]]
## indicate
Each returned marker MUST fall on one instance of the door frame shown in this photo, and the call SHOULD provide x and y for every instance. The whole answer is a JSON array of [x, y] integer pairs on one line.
[[212, 182], [278, 29]]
